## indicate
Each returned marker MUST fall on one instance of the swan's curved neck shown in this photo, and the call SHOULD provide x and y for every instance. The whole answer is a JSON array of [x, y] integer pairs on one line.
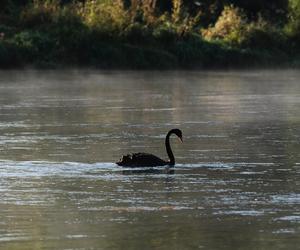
[[169, 150]]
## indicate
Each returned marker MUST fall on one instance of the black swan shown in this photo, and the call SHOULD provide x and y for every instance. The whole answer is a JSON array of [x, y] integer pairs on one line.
[[149, 160]]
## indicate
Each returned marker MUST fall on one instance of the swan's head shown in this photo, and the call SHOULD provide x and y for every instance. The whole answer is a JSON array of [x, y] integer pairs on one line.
[[177, 132]]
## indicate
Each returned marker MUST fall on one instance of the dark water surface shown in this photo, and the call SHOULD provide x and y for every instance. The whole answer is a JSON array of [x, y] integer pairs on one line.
[[236, 184]]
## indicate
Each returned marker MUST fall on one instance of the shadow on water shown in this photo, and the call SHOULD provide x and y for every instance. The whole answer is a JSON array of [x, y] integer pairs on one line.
[[148, 171]]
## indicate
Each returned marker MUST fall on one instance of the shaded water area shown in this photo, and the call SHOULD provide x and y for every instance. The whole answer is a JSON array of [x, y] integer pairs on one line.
[[236, 184]]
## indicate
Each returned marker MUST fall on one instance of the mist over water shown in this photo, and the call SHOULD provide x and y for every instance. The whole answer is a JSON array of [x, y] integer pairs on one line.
[[235, 184]]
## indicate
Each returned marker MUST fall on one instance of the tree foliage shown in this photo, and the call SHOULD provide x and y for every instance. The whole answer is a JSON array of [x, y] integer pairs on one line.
[[114, 33]]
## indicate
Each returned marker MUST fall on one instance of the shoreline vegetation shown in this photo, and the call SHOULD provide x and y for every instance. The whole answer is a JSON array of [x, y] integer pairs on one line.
[[149, 34]]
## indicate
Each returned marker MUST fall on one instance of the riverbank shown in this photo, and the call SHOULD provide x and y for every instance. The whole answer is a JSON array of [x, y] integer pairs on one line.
[[186, 54], [111, 36], [182, 55]]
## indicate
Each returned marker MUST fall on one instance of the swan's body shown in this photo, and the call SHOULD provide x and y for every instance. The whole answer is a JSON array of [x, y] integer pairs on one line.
[[149, 160]]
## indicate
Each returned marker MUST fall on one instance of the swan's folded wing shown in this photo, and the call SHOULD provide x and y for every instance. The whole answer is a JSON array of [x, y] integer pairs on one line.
[[141, 160]]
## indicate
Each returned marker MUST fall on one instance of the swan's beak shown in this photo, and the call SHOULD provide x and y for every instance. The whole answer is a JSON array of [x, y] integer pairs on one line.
[[180, 139]]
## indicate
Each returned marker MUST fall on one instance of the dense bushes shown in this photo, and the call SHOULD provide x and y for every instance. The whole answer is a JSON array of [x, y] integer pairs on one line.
[[145, 34], [230, 27], [234, 28], [293, 26]]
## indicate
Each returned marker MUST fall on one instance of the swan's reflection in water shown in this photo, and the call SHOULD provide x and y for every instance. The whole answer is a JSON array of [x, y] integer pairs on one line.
[[168, 170]]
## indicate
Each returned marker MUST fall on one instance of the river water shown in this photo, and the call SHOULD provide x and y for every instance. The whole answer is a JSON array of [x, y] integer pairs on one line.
[[235, 185]]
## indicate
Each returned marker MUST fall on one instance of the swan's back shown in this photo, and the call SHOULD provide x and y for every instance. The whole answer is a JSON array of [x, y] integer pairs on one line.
[[141, 160]]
